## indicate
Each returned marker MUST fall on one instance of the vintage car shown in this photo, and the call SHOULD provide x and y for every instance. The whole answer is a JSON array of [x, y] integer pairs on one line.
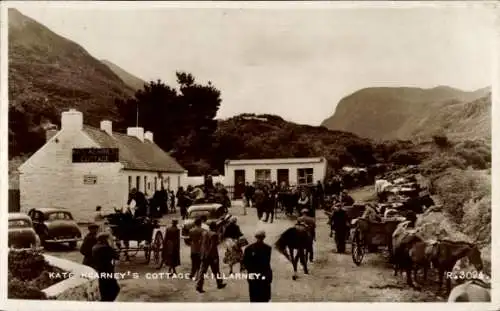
[[214, 212], [55, 226], [22, 235]]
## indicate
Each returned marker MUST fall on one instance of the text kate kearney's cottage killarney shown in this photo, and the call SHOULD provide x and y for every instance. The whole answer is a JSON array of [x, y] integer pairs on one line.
[[80, 167]]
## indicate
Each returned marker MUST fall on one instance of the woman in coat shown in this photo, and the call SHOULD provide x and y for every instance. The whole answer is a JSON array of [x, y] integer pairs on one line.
[[171, 255]]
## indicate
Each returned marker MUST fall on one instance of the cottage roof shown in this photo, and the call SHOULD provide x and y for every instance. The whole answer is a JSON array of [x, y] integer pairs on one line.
[[135, 154], [276, 161]]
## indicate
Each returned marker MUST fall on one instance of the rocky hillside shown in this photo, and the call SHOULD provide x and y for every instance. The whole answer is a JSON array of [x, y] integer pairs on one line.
[[131, 80], [406, 113], [48, 74]]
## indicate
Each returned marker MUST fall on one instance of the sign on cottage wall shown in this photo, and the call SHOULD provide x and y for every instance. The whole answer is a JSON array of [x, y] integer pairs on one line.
[[92, 155], [89, 179]]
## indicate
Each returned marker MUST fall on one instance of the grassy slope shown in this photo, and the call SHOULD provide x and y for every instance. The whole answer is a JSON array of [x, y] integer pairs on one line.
[[411, 111], [131, 80], [49, 69]]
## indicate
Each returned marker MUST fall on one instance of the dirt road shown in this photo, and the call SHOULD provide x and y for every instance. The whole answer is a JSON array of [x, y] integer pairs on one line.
[[333, 277]]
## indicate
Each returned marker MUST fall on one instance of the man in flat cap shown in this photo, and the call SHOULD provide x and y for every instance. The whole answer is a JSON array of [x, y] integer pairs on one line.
[[257, 259], [102, 256], [88, 243]]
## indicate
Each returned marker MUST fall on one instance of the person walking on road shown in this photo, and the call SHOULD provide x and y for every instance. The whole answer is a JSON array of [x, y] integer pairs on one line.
[[340, 226], [195, 236], [257, 259], [102, 258], [88, 243], [209, 258], [260, 201], [171, 255]]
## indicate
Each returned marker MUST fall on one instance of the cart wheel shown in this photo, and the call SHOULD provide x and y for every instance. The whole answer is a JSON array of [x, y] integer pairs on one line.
[[156, 247], [358, 251]]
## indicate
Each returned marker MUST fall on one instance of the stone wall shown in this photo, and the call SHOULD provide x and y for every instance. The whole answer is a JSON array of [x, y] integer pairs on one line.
[[78, 287]]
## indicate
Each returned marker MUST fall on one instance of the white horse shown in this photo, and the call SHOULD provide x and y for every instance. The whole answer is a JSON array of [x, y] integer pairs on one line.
[[471, 291]]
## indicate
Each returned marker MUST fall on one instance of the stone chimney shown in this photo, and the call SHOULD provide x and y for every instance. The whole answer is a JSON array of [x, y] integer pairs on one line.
[[136, 132], [50, 132], [72, 120], [149, 136], [107, 126]]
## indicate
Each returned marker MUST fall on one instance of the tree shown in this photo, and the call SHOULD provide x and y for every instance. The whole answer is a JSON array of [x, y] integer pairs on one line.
[[183, 122]]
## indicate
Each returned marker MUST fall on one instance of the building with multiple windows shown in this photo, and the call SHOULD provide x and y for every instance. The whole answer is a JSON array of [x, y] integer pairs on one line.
[[292, 171], [80, 167]]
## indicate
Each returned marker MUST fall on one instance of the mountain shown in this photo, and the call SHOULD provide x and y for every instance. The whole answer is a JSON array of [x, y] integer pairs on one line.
[[48, 74], [407, 113], [131, 80]]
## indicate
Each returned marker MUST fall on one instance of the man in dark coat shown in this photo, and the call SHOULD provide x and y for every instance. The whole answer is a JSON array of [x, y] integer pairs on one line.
[[209, 257], [195, 236], [320, 194], [248, 195], [172, 247], [102, 259], [260, 198], [257, 259], [88, 243], [346, 199], [340, 226]]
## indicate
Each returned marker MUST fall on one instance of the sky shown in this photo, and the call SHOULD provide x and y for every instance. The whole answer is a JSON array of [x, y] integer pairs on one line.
[[294, 62]]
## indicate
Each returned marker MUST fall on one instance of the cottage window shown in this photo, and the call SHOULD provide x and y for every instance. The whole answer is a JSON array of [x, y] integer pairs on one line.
[[304, 176], [263, 176], [137, 182], [129, 183], [156, 184], [145, 183]]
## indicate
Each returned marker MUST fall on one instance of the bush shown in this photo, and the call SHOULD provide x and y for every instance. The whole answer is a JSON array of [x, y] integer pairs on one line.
[[441, 141], [458, 187], [28, 275], [438, 164], [406, 157]]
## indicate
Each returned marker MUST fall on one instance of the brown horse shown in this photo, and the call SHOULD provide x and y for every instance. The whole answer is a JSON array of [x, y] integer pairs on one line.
[[297, 238], [446, 253]]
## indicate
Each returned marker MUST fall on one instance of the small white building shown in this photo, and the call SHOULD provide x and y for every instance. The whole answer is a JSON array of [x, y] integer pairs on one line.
[[80, 167], [292, 171]]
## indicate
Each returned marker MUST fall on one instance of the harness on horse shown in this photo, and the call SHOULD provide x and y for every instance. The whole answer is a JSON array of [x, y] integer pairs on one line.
[[481, 283]]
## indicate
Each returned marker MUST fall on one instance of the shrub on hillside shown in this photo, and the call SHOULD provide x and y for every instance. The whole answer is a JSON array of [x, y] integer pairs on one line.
[[438, 164], [457, 187], [477, 154], [441, 141], [406, 157]]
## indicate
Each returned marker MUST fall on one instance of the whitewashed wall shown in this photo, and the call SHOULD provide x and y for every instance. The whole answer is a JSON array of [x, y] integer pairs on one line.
[[50, 179], [319, 171]]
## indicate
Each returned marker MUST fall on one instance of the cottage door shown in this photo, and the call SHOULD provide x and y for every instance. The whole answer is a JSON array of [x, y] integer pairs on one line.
[[239, 183], [283, 177]]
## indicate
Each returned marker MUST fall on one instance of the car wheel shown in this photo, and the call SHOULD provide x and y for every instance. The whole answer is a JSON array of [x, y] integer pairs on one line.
[[72, 245]]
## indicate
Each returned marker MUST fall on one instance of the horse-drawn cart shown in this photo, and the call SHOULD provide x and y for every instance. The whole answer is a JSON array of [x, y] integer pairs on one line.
[[366, 233], [145, 232]]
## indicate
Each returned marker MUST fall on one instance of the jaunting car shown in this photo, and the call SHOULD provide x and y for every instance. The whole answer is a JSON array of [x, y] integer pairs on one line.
[[214, 212], [55, 226], [22, 235]]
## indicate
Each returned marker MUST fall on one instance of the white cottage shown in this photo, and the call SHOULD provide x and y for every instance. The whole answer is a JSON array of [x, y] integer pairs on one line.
[[292, 171], [80, 167]]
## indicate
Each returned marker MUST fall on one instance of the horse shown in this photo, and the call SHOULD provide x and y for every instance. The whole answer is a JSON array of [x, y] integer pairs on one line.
[[297, 238], [404, 243], [471, 291], [446, 253]]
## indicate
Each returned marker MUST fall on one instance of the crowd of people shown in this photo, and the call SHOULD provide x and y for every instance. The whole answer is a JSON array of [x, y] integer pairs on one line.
[[204, 237]]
